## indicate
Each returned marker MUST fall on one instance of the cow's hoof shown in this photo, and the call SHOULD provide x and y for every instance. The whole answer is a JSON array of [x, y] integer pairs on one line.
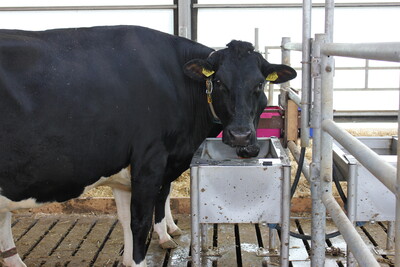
[[177, 232], [169, 244]]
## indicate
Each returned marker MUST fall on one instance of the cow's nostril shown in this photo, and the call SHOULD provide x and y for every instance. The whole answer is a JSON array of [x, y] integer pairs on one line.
[[240, 137]]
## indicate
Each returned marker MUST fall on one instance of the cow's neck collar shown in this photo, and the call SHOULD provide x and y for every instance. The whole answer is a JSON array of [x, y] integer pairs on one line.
[[209, 90]]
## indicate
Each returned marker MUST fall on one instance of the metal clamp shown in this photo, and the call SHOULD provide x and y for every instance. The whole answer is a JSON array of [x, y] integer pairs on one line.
[[315, 67]]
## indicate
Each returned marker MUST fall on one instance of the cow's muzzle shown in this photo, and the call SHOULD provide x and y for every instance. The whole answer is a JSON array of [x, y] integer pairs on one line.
[[250, 151], [244, 139], [239, 136]]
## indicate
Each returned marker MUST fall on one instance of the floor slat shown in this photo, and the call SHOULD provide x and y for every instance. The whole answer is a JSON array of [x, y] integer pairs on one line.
[[97, 241]]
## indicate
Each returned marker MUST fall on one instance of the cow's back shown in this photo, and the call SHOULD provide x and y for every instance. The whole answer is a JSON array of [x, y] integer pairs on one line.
[[74, 101]]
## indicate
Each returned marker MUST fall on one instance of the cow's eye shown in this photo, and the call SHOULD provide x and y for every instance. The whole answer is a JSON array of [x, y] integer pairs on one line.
[[260, 87]]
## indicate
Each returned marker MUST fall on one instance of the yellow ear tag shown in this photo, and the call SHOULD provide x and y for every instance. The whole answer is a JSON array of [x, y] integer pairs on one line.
[[272, 77], [207, 72]]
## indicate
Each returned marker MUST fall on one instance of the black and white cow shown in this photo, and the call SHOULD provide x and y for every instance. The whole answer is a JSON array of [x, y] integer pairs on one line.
[[79, 104]]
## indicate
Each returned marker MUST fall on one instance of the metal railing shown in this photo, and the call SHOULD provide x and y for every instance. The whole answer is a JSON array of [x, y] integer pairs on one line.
[[319, 174], [325, 130]]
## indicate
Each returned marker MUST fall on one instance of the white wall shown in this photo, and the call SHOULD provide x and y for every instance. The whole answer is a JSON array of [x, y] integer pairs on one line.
[[217, 27]]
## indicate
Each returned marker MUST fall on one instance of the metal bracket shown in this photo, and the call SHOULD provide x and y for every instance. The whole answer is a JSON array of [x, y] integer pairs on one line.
[[315, 67]]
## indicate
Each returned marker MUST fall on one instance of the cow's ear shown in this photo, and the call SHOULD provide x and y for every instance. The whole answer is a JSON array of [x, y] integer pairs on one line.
[[278, 73], [198, 69]]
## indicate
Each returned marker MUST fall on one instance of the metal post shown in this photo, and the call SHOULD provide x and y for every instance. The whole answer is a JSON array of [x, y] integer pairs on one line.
[[285, 58], [306, 74], [184, 19], [326, 139], [390, 236], [285, 220], [329, 12], [351, 205], [272, 246], [318, 208], [270, 85], [204, 237], [397, 223], [327, 69], [194, 204], [256, 46], [366, 78]]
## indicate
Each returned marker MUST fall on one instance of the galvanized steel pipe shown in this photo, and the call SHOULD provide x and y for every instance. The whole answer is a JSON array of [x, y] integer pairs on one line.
[[357, 246], [385, 172], [329, 15], [397, 223], [306, 74], [270, 85], [292, 46], [378, 51], [194, 206], [318, 208], [285, 217], [351, 205], [285, 58]]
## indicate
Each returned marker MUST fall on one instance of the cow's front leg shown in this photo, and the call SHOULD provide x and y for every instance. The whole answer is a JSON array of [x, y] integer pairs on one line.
[[146, 185], [7, 246]]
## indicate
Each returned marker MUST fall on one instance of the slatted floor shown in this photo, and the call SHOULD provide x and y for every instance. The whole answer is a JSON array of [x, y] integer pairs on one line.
[[93, 240]]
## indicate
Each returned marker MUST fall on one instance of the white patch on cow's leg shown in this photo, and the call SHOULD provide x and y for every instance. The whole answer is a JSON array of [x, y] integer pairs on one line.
[[142, 264], [173, 229], [165, 239], [7, 241], [123, 201]]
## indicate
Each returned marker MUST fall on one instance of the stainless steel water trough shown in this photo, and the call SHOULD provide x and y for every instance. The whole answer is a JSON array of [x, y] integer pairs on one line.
[[367, 196], [229, 189]]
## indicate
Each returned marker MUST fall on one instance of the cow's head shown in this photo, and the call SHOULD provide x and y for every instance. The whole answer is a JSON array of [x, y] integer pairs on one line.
[[238, 75]]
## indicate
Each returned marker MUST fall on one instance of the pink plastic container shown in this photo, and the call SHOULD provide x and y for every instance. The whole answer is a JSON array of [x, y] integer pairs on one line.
[[267, 132]]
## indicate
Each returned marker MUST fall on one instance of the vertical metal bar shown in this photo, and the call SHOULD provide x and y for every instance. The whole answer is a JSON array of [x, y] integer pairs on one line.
[[327, 69], [285, 58], [285, 220], [306, 74], [390, 236], [194, 19], [270, 85], [326, 139], [272, 246], [397, 223], [329, 13], [184, 19], [351, 205], [366, 82], [204, 236], [318, 208], [256, 43], [194, 206]]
